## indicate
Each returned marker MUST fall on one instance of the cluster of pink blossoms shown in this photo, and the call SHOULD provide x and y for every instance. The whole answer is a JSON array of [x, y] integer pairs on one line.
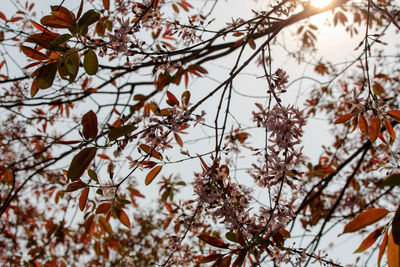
[[228, 204], [284, 127]]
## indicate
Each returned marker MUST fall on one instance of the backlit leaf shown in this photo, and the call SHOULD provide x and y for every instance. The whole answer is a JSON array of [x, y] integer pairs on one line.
[[90, 62], [83, 198], [390, 130], [213, 241], [396, 226], [80, 162], [185, 98], [251, 43], [374, 129], [117, 132], [210, 258], [152, 174], [240, 258], [34, 88], [46, 75], [106, 4], [344, 118], [88, 18], [89, 124], [55, 22], [393, 179], [369, 240], [103, 208], [395, 114], [382, 247], [32, 53], [75, 186], [365, 218], [172, 101], [93, 175], [124, 218], [393, 252]]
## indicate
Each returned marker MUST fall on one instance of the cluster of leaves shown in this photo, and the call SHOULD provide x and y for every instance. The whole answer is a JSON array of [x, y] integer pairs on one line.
[[79, 162]]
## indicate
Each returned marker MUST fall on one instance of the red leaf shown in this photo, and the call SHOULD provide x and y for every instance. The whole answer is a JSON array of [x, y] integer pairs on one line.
[[213, 241], [32, 53], [89, 124], [103, 208], [106, 4], [178, 139], [344, 118], [75, 186], [395, 114], [104, 156], [374, 129], [2, 16], [365, 218], [80, 162], [83, 198], [172, 101], [152, 174], [210, 258]]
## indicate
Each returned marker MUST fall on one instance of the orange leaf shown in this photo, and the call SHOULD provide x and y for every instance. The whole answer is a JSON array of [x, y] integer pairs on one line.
[[390, 130], [393, 252], [83, 198], [344, 118], [374, 129], [178, 139], [89, 124], [34, 88], [152, 174], [251, 43], [369, 240], [124, 218], [395, 114], [104, 156], [382, 247], [364, 219], [55, 22], [103, 208], [363, 125], [213, 241], [32, 53], [80, 162]]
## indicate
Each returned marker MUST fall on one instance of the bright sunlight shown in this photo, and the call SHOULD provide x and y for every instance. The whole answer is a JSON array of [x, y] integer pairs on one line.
[[320, 3]]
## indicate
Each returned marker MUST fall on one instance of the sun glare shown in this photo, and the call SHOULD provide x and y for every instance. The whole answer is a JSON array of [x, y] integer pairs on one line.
[[320, 3]]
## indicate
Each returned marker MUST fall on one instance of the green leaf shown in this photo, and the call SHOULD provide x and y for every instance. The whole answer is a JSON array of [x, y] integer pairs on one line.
[[231, 237], [46, 75], [90, 62], [393, 179], [90, 17], [115, 133], [59, 40], [75, 186], [93, 175], [80, 162]]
